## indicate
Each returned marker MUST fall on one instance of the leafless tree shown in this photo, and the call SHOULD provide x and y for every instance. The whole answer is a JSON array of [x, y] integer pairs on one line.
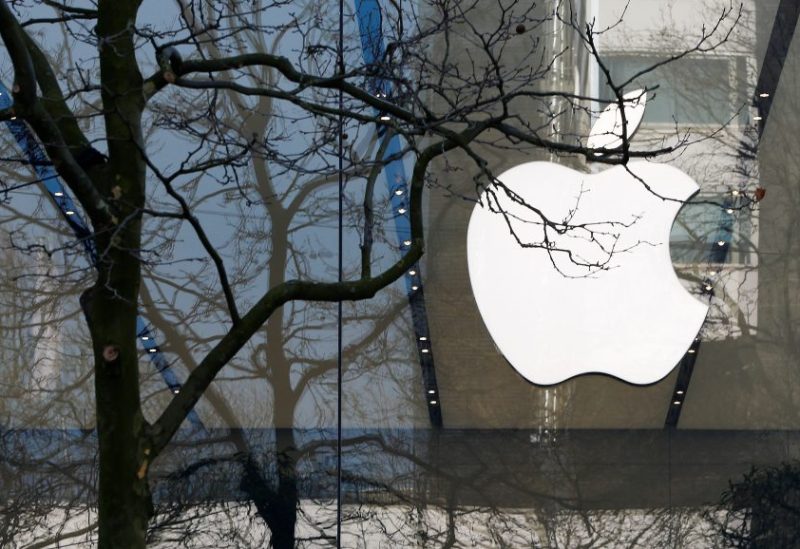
[[162, 124]]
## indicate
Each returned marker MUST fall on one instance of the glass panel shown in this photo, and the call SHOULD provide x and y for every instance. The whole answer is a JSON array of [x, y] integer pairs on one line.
[[443, 443], [713, 229], [688, 91]]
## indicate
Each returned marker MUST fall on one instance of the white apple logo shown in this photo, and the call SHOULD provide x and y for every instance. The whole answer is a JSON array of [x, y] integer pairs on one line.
[[601, 297]]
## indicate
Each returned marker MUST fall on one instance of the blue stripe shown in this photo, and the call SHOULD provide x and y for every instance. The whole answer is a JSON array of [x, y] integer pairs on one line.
[[370, 21], [49, 178]]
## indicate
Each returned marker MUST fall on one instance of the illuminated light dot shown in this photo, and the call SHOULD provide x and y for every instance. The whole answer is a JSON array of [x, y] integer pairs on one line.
[[386, 118], [69, 212], [145, 338], [13, 118], [735, 192], [423, 338], [176, 391], [763, 94], [426, 351], [691, 351], [729, 210], [58, 193], [757, 118], [151, 350], [712, 273], [434, 402], [677, 403], [721, 243], [401, 211], [431, 392], [415, 288], [679, 392], [406, 243], [708, 287], [412, 272], [399, 192]]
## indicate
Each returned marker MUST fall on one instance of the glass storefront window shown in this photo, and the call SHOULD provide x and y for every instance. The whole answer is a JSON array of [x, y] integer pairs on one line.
[[394, 419], [689, 91]]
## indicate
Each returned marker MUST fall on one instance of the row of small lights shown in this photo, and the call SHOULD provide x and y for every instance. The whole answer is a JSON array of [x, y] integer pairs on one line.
[[60, 194], [680, 393], [383, 117], [707, 287], [424, 341], [762, 95], [721, 243], [707, 283], [154, 350], [57, 194]]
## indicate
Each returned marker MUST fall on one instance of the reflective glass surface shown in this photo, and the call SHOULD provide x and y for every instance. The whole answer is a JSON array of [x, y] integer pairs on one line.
[[391, 418]]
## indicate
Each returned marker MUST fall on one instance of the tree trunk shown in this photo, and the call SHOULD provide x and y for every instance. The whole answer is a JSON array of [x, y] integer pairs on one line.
[[278, 507], [283, 531], [125, 505], [283, 518]]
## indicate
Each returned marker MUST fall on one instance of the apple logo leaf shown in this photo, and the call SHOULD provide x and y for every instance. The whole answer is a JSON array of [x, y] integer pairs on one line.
[[607, 131]]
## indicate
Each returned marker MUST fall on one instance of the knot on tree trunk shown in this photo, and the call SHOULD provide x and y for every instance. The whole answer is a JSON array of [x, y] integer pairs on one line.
[[110, 353]]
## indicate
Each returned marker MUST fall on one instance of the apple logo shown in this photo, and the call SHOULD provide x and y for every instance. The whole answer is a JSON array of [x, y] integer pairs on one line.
[[571, 271]]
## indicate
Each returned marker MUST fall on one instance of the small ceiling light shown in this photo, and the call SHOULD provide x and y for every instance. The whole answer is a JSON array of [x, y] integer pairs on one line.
[[69, 212], [434, 402], [757, 118], [415, 288], [763, 94], [691, 351], [176, 390], [708, 287], [399, 192], [712, 273], [729, 210], [423, 338], [151, 350], [385, 117], [13, 118], [721, 243], [145, 338], [735, 192], [406, 243], [401, 211], [679, 392], [58, 193], [412, 272], [426, 351], [431, 391], [677, 403]]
